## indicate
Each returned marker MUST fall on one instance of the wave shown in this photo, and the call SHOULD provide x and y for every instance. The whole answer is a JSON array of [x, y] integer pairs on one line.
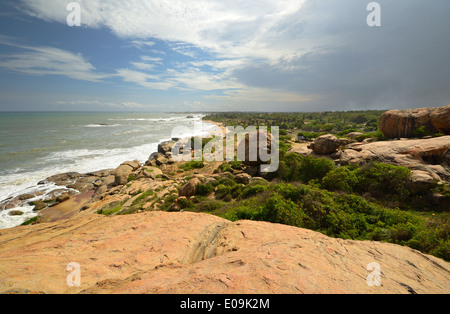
[[18, 181], [100, 125], [8, 221]]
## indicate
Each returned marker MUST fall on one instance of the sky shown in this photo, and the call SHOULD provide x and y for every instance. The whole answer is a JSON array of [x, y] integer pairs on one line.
[[223, 55]]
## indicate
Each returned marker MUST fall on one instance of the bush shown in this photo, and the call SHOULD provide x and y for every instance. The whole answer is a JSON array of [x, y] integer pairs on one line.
[[225, 167], [377, 179], [346, 216], [192, 165], [383, 179], [204, 189], [210, 206], [298, 168], [340, 179]]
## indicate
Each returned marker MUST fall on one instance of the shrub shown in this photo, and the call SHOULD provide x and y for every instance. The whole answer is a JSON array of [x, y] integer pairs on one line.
[[204, 189], [251, 190], [225, 167], [340, 179], [192, 165], [342, 215], [383, 179], [377, 179], [210, 206], [298, 168]]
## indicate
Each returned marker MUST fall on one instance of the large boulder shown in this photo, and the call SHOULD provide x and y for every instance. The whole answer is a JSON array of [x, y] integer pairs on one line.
[[190, 188], [243, 178], [249, 149], [151, 172], [440, 118], [122, 173], [404, 123], [326, 144], [429, 155], [165, 147]]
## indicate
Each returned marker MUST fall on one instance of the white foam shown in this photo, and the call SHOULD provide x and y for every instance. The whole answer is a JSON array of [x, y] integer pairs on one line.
[[8, 221], [101, 125], [21, 181]]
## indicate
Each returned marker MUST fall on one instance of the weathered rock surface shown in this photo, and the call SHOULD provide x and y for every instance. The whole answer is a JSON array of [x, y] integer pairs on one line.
[[403, 123], [123, 172], [254, 143], [440, 118], [327, 144], [428, 155], [159, 252], [190, 188]]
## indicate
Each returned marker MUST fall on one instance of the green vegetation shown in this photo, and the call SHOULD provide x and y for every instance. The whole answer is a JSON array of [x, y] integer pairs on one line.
[[31, 221], [367, 202], [192, 165], [308, 125]]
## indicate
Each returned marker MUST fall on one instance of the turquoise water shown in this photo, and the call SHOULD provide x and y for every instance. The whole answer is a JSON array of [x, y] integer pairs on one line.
[[34, 146]]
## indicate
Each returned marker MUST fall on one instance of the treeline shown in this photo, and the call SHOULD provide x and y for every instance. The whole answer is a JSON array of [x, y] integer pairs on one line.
[[330, 121]]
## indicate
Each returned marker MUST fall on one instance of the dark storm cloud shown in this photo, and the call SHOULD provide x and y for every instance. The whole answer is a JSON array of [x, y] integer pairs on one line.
[[347, 64]]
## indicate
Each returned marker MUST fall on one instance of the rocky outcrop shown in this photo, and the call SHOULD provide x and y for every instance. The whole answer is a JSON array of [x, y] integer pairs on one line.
[[159, 252], [189, 189], [440, 118], [427, 155], [327, 144], [404, 123], [123, 172], [249, 149]]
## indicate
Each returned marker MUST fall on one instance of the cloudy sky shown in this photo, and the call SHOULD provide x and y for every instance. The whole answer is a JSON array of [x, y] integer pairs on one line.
[[223, 55]]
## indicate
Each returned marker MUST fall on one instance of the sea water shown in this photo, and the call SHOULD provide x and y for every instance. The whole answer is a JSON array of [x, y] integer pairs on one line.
[[34, 146]]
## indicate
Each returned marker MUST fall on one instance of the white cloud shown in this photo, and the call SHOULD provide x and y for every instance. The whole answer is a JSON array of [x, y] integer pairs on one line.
[[229, 28], [49, 61]]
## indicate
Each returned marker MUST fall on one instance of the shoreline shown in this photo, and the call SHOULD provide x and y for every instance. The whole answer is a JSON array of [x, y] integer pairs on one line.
[[65, 189]]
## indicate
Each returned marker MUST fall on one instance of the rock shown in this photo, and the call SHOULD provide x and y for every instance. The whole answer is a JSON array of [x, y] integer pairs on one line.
[[353, 135], [369, 140], [421, 181], [404, 123], [15, 213], [28, 196], [440, 118], [152, 159], [55, 193], [109, 180], [192, 253], [63, 179], [165, 147], [243, 178], [122, 173], [101, 173], [190, 188], [249, 148], [39, 205], [62, 198], [100, 193], [161, 160], [133, 164], [150, 172], [326, 144], [441, 202]]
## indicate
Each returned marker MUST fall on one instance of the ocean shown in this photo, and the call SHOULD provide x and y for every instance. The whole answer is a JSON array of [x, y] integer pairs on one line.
[[34, 146]]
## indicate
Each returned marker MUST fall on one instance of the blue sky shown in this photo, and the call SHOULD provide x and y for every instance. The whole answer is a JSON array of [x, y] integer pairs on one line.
[[211, 55]]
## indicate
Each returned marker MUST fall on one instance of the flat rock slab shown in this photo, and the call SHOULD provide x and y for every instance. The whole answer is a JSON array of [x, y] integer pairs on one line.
[[66, 209], [160, 252]]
